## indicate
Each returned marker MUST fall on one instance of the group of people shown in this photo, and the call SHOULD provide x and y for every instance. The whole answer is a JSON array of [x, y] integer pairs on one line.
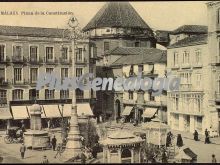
[[207, 136]]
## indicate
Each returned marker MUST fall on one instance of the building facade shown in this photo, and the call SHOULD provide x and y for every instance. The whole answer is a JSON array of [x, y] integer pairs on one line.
[[25, 54], [116, 24]]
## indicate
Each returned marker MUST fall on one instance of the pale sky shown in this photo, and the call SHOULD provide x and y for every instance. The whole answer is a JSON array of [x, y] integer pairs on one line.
[[158, 15]]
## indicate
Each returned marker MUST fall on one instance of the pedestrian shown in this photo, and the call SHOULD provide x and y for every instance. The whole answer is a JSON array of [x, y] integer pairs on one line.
[[168, 139], [45, 160], [22, 150], [196, 135], [214, 159], [54, 142], [164, 157], [83, 157], [59, 150], [207, 141], [179, 142], [95, 150]]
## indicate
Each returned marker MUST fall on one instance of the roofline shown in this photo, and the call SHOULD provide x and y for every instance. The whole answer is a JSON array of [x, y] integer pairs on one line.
[[197, 43]]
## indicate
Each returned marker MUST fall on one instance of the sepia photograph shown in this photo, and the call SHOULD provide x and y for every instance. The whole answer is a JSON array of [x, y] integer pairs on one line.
[[110, 82]]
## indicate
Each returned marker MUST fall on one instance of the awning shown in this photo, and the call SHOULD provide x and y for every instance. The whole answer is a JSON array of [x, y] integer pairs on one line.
[[51, 111], [5, 114], [19, 112], [84, 109], [42, 111], [66, 110], [149, 112], [127, 111]]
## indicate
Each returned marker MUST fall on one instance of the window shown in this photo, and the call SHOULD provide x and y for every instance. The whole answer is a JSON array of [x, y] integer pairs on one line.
[[2, 75], [218, 16], [49, 94], [151, 98], [198, 80], [65, 53], [140, 68], [106, 46], [79, 55], [3, 97], [131, 95], [33, 53], [176, 59], [49, 70], [198, 57], [33, 74], [17, 94], [108, 30], [49, 53], [17, 74], [186, 57], [64, 94], [17, 52], [79, 94], [79, 72], [137, 44], [2, 52], [199, 123], [33, 94], [186, 78], [64, 73]]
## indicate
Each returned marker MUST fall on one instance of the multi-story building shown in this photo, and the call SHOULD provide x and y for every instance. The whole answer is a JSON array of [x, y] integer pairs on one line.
[[137, 104], [214, 60], [116, 24], [27, 52]]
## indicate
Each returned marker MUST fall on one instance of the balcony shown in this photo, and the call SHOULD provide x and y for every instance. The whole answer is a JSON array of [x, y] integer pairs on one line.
[[50, 61], [33, 60], [19, 59], [155, 103], [65, 61], [185, 87], [4, 82], [20, 83], [187, 112], [5, 60], [185, 65], [83, 61]]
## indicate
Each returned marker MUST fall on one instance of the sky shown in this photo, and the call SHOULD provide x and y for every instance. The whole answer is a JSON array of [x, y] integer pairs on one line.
[[158, 15]]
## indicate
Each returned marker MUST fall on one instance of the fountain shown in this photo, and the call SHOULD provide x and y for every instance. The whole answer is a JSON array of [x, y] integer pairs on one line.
[[36, 137]]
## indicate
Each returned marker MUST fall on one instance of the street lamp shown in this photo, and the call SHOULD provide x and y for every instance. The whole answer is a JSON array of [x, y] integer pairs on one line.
[[63, 131], [73, 147]]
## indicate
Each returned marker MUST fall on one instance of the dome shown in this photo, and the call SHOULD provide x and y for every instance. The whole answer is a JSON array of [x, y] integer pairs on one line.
[[117, 14], [122, 137]]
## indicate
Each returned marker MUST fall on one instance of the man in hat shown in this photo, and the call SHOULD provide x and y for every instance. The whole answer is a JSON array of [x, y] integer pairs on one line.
[[45, 160], [22, 150], [54, 142]]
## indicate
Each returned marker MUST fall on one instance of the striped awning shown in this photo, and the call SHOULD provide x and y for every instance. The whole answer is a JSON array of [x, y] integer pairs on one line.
[[66, 110], [19, 112], [84, 109], [42, 111], [149, 112], [127, 111], [51, 111], [5, 114]]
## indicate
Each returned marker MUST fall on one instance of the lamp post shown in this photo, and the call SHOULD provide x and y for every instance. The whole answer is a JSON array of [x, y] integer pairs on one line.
[[73, 146], [63, 131]]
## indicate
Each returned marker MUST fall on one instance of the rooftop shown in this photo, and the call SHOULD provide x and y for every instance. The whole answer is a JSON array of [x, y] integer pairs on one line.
[[191, 29], [190, 41], [117, 14], [138, 55], [31, 31]]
